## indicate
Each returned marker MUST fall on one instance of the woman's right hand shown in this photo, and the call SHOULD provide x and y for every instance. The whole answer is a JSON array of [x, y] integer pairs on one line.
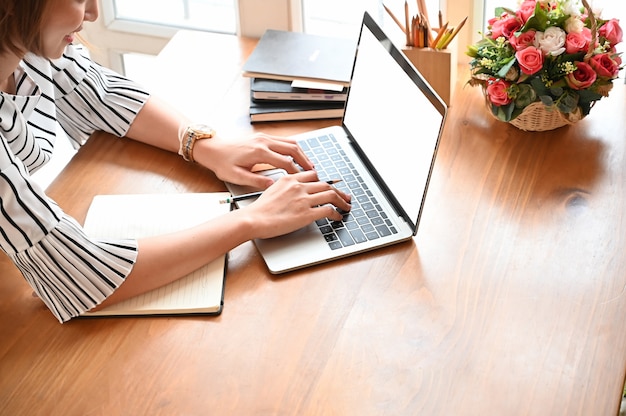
[[293, 202]]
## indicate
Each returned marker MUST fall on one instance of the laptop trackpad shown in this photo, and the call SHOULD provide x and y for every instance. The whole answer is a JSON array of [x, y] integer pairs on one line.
[[291, 251]]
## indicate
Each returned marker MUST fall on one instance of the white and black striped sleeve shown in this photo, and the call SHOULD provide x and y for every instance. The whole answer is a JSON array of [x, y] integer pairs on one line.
[[69, 270], [92, 98]]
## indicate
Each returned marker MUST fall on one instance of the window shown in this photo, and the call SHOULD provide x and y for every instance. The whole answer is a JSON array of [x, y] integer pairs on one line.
[[151, 16], [144, 26], [343, 17], [490, 8]]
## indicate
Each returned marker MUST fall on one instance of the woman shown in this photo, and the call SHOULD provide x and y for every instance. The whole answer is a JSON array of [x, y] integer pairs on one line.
[[45, 79]]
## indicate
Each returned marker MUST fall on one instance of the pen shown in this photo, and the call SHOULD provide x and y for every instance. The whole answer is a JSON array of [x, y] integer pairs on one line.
[[251, 195]]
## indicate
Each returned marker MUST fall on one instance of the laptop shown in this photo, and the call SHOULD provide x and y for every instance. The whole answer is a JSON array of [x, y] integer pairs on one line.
[[383, 152]]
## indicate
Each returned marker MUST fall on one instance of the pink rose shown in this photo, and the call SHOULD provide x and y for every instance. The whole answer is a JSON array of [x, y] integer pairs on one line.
[[604, 66], [497, 93], [616, 58], [576, 42], [526, 9], [582, 78], [530, 60], [587, 34], [523, 41], [505, 26], [611, 31], [493, 20]]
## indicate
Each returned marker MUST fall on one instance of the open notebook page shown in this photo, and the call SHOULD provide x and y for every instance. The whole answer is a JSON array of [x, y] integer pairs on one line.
[[144, 215]]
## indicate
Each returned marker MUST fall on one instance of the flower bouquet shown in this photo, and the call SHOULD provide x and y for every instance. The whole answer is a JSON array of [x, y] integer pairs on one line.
[[544, 65]]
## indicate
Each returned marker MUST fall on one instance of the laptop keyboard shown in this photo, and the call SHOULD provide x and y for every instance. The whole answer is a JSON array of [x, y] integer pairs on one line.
[[367, 220]]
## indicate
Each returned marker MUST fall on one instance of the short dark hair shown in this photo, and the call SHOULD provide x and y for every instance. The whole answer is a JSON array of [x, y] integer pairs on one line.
[[21, 24]]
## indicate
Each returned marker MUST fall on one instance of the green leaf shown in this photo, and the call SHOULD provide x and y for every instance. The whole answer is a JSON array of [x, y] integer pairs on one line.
[[588, 95], [538, 21], [539, 86], [556, 91], [525, 95], [586, 99], [567, 102], [546, 100], [504, 113], [585, 108], [503, 71], [516, 112], [570, 57], [472, 51]]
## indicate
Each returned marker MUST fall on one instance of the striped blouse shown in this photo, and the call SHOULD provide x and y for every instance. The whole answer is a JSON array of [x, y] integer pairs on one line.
[[70, 271]]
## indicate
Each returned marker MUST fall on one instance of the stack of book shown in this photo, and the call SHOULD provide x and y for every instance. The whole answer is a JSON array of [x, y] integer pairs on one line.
[[298, 76]]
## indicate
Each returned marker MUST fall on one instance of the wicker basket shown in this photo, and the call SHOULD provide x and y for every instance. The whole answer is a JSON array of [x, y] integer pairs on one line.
[[538, 117]]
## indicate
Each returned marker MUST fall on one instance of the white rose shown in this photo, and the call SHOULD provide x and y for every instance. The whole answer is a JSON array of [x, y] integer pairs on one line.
[[551, 42], [570, 8], [574, 25], [597, 11]]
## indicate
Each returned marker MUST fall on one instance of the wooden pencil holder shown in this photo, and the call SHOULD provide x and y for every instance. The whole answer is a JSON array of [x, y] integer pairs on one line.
[[438, 66]]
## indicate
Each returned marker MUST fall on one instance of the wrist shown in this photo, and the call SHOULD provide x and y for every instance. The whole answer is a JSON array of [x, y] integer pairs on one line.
[[189, 136], [247, 227], [207, 152]]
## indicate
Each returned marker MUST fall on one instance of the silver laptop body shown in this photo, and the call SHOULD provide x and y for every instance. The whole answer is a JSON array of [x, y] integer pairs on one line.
[[384, 152]]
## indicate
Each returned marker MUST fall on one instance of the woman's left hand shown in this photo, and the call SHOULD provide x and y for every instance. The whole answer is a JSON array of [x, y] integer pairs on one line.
[[233, 161]]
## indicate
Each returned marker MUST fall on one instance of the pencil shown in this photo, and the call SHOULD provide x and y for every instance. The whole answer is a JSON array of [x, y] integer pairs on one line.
[[395, 19], [237, 198], [454, 32], [442, 30], [443, 42], [422, 10], [406, 20], [429, 30]]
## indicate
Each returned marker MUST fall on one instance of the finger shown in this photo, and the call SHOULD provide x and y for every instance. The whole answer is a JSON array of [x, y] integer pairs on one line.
[[306, 176], [284, 162], [255, 180], [327, 211], [293, 152], [319, 186], [331, 196]]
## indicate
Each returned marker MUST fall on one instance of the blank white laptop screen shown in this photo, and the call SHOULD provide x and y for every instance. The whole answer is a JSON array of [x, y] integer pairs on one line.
[[393, 122]]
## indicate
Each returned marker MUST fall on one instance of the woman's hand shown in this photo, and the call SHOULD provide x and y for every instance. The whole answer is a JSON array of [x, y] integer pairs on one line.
[[293, 202], [232, 161]]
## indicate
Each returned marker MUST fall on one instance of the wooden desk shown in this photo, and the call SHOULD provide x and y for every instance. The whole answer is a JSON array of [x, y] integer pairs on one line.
[[510, 300]]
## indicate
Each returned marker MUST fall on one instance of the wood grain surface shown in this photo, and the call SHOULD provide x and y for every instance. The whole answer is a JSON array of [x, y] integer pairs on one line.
[[509, 301]]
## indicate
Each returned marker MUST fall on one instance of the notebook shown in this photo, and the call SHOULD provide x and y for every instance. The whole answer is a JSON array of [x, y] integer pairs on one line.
[[287, 55], [384, 152], [279, 90], [144, 215], [267, 110]]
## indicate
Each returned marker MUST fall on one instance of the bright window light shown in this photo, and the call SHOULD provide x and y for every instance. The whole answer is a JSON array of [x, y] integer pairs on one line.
[[209, 15], [343, 17]]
